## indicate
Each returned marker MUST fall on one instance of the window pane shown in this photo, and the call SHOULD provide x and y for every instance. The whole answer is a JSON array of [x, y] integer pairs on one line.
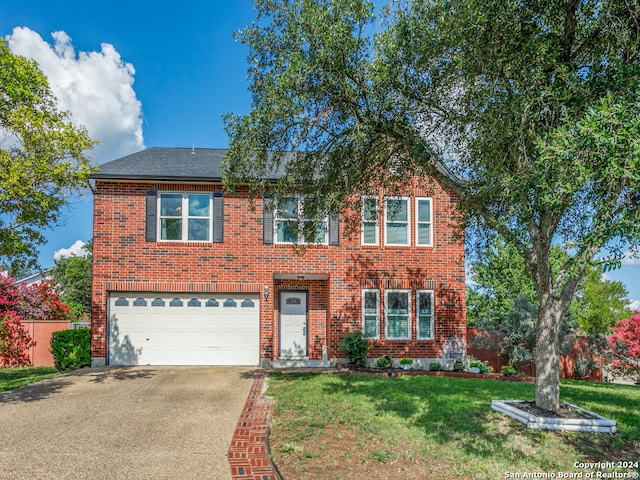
[[171, 229], [398, 326], [370, 326], [424, 210], [199, 205], [370, 303], [287, 231], [424, 303], [369, 233], [424, 327], [398, 302], [397, 210], [319, 232], [199, 229], [288, 208], [171, 204], [424, 234], [397, 233], [370, 209]]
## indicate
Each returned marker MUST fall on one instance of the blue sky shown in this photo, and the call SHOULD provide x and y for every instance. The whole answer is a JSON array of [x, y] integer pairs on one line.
[[144, 75]]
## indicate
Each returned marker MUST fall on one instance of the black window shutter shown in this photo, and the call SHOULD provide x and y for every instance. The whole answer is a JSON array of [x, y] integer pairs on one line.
[[267, 220], [218, 217], [151, 213], [334, 229]]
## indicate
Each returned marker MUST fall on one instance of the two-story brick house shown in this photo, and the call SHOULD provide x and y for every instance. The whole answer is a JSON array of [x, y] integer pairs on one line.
[[185, 274]]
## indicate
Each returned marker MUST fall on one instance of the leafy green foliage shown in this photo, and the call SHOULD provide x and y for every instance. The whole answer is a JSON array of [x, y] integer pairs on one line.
[[42, 159], [356, 347], [529, 112], [72, 278], [71, 349], [383, 362], [434, 366]]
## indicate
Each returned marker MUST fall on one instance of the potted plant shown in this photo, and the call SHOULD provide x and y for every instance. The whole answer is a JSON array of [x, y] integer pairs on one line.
[[406, 362]]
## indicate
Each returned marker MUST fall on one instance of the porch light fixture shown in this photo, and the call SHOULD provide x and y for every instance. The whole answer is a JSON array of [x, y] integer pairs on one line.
[[266, 292]]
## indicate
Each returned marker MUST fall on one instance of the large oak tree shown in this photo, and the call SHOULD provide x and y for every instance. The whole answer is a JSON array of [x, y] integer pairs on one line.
[[528, 110], [42, 160]]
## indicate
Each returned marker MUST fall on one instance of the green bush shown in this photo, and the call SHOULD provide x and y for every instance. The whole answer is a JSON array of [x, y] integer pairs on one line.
[[356, 347], [434, 366], [71, 349], [383, 362], [508, 370]]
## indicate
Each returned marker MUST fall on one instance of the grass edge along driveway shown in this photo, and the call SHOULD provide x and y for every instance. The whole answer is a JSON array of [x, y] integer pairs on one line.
[[341, 426], [11, 378]]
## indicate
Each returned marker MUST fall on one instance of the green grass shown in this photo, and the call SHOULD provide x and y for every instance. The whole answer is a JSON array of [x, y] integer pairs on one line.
[[438, 424], [11, 378]]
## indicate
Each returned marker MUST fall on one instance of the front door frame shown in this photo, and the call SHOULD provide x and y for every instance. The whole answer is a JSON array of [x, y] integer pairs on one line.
[[281, 295]]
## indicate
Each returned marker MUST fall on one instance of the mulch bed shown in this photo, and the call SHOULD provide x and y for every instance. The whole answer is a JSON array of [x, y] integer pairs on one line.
[[399, 372], [564, 411]]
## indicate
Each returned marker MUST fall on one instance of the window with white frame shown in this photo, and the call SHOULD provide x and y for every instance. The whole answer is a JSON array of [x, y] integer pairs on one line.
[[370, 221], [424, 314], [424, 229], [184, 217], [371, 313], [396, 221], [397, 309], [291, 226]]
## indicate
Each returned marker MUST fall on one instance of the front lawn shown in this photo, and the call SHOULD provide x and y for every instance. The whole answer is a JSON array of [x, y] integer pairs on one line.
[[348, 426], [11, 378]]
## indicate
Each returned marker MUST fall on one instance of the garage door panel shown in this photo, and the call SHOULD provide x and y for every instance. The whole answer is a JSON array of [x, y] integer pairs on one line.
[[144, 329]]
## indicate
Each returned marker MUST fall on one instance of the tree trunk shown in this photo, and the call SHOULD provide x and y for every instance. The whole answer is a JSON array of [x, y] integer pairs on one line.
[[549, 326]]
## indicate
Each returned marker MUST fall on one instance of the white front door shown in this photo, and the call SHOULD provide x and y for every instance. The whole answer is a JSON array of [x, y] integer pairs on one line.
[[293, 324]]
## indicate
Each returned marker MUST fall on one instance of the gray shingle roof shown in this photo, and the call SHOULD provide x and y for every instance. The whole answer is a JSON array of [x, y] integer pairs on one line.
[[156, 163]]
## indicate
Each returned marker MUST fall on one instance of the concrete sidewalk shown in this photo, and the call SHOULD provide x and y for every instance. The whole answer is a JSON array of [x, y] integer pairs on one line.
[[123, 423]]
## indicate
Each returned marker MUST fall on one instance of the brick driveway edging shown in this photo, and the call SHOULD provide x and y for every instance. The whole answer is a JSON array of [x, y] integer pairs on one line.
[[248, 454]]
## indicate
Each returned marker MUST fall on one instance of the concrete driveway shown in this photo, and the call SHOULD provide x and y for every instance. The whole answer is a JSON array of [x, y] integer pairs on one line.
[[123, 423]]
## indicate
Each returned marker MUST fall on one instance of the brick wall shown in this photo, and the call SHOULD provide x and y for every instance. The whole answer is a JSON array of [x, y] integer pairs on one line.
[[123, 260]]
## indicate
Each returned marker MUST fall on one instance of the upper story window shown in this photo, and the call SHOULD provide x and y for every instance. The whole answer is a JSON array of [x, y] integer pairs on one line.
[[291, 225], [184, 217], [424, 231], [396, 221], [370, 221]]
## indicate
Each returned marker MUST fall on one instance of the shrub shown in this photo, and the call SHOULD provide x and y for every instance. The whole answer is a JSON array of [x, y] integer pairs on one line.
[[356, 347], [435, 366], [383, 362], [15, 341], [482, 366], [406, 361], [508, 370], [71, 349]]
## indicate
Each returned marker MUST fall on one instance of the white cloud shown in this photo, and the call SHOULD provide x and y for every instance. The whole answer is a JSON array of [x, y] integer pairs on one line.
[[634, 305], [95, 87], [74, 250], [632, 257]]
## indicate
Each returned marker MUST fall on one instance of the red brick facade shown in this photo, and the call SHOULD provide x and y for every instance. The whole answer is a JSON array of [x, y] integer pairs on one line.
[[124, 261]]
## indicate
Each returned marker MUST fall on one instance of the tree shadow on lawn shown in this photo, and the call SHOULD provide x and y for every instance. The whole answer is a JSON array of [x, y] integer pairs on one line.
[[457, 412], [35, 391]]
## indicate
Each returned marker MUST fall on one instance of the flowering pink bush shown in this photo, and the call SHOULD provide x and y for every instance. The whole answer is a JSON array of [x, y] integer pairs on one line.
[[625, 345], [19, 303], [15, 342]]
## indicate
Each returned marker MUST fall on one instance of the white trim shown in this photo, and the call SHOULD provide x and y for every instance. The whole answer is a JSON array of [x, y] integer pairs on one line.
[[432, 326], [407, 221], [377, 292], [376, 222], [386, 314], [184, 217], [418, 222]]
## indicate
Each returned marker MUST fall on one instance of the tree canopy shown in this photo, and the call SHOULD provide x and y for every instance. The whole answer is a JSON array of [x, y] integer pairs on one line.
[[529, 111], [42, 159]]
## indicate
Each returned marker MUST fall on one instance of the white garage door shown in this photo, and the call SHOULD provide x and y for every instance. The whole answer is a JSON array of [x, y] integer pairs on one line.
[[184, 329]]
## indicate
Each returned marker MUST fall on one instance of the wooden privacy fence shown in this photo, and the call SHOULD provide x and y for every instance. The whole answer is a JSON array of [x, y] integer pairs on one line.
[[580, 347], [41, 331]]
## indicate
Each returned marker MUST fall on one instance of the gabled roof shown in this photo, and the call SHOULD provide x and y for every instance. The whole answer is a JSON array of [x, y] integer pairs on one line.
[[157, 163]]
